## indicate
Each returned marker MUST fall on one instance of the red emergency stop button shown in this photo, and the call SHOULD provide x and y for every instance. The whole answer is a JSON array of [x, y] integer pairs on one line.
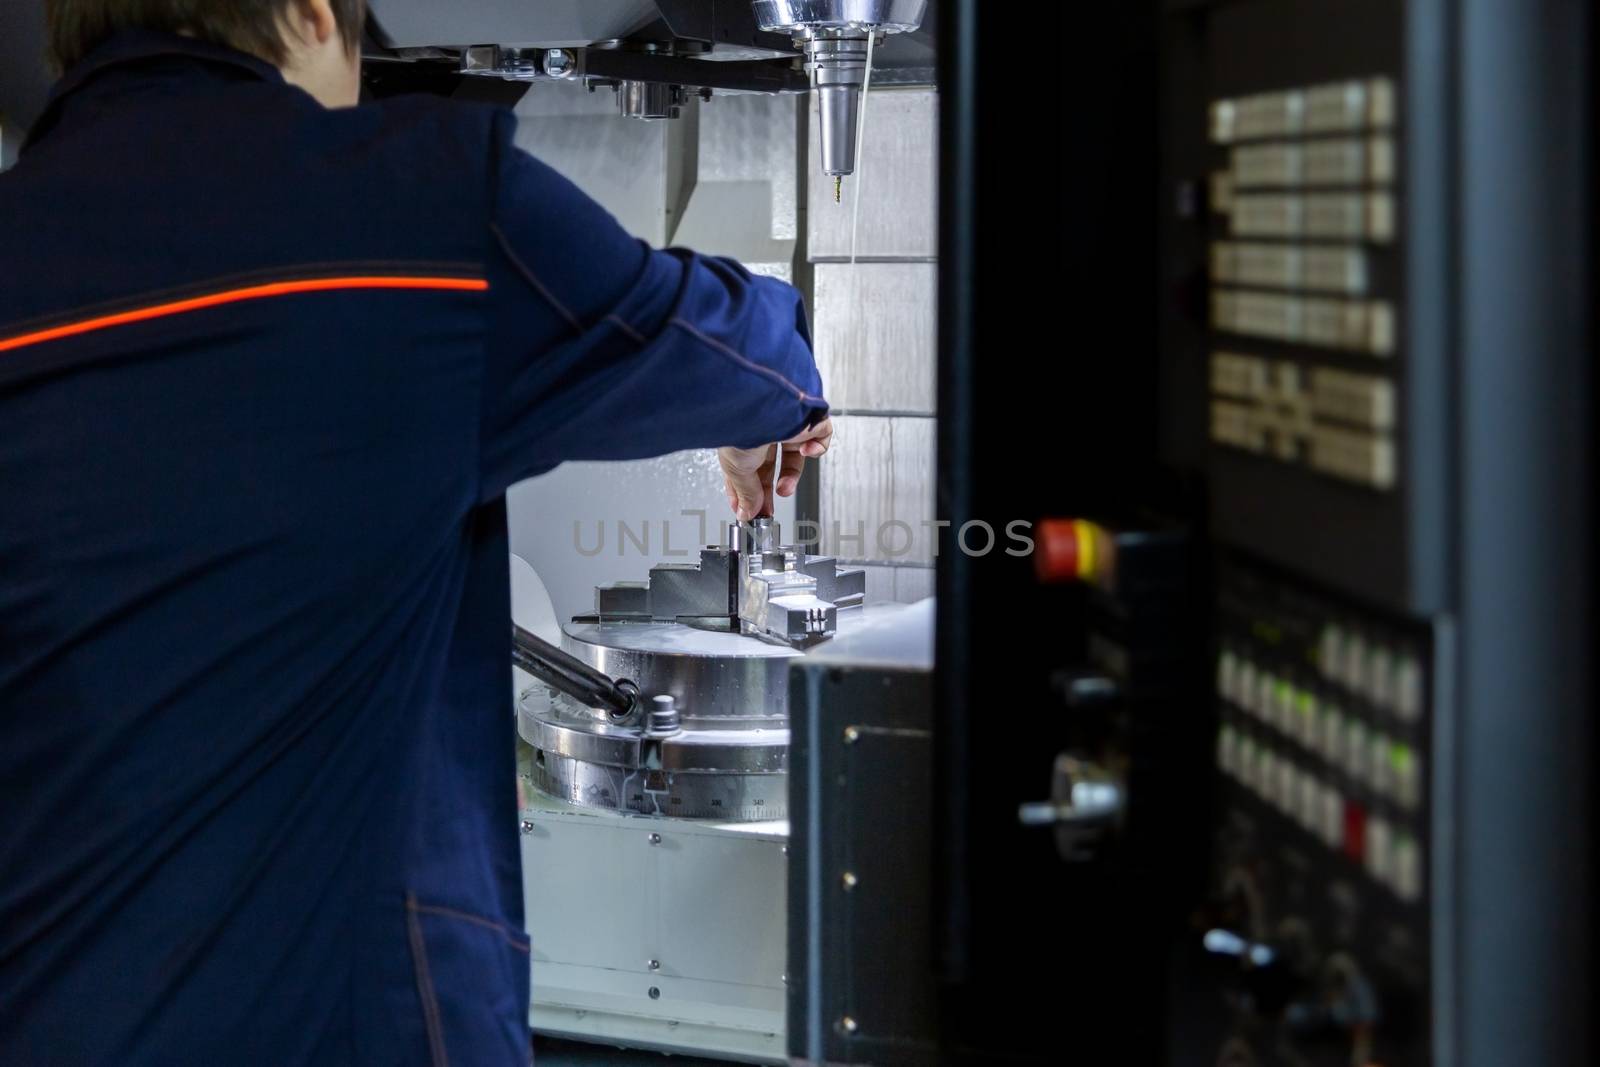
[[1066, 550]]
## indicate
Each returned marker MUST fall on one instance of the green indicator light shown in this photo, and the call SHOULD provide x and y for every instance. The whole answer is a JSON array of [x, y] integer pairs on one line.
[[1285, 692], [1399, 757], [1306, 705]]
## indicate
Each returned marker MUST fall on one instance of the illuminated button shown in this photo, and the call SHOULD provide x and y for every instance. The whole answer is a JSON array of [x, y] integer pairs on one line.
[[1405, 868], [1379, 849], [1408, 688], [1356, 749], [1305, 716], [1331, 740], [1380, 772], [1405, 767], [1330, 653], [1332, 820]]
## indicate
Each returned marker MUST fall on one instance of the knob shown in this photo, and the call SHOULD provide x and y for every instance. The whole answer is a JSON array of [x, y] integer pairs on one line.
[[1258, 972], [1086, 803]]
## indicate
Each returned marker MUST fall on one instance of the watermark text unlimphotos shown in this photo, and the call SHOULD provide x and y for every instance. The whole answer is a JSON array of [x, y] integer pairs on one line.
[[892, 539]]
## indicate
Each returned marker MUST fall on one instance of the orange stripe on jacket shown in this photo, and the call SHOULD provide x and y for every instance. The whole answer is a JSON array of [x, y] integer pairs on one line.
[[234, 296]]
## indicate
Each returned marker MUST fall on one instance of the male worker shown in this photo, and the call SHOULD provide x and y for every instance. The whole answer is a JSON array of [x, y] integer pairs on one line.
[[268, 364]]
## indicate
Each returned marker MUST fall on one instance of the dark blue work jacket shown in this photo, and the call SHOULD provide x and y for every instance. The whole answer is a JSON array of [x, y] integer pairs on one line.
[[266, 372]]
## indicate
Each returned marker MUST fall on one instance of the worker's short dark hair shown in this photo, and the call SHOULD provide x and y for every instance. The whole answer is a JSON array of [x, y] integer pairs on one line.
[[77, 27]]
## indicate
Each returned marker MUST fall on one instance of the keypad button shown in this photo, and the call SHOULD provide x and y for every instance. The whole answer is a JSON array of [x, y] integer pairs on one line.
[[1330, 656], [1227, 750], [1308, 811], [1266, 696], [1356, 749], [1245, 686], [1250, 764], [1283, 715], [1332, 820], [1406, 767], [1305, 718], [1379, 849], [1405, 869], [1380, 772], [1408, 688], [1355, 664], [1287, 793], [1267, 774], [1380, 677], [1331, 743], [1227, 673]]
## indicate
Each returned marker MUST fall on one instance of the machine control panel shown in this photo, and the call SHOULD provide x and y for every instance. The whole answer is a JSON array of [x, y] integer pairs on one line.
[[1321, 868], [1304, 197]]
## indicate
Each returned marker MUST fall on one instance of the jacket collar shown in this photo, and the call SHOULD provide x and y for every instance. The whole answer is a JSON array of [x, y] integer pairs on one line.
[[132, 47]]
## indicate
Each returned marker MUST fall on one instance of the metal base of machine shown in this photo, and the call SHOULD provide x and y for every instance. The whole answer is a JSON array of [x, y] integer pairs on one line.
[[654, 932]]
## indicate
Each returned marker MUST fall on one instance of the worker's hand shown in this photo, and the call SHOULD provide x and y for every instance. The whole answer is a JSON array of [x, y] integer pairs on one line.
[[747, 472]]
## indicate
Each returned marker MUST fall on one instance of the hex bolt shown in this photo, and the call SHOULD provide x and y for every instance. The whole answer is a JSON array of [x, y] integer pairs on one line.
[[655, 993], [654, 965], [654, 839], [527, 827]]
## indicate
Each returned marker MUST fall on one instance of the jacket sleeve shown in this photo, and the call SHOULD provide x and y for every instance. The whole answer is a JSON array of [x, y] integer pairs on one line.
[[601, 348]]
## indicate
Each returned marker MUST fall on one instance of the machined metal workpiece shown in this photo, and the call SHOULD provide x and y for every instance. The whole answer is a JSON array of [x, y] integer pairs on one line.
[[751, 585]]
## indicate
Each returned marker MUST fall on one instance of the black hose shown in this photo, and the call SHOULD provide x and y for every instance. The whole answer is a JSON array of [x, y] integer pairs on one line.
[[571, 675]]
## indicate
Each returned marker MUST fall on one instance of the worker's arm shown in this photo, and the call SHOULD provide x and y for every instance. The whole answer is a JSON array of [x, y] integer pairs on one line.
[[602, 348]]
